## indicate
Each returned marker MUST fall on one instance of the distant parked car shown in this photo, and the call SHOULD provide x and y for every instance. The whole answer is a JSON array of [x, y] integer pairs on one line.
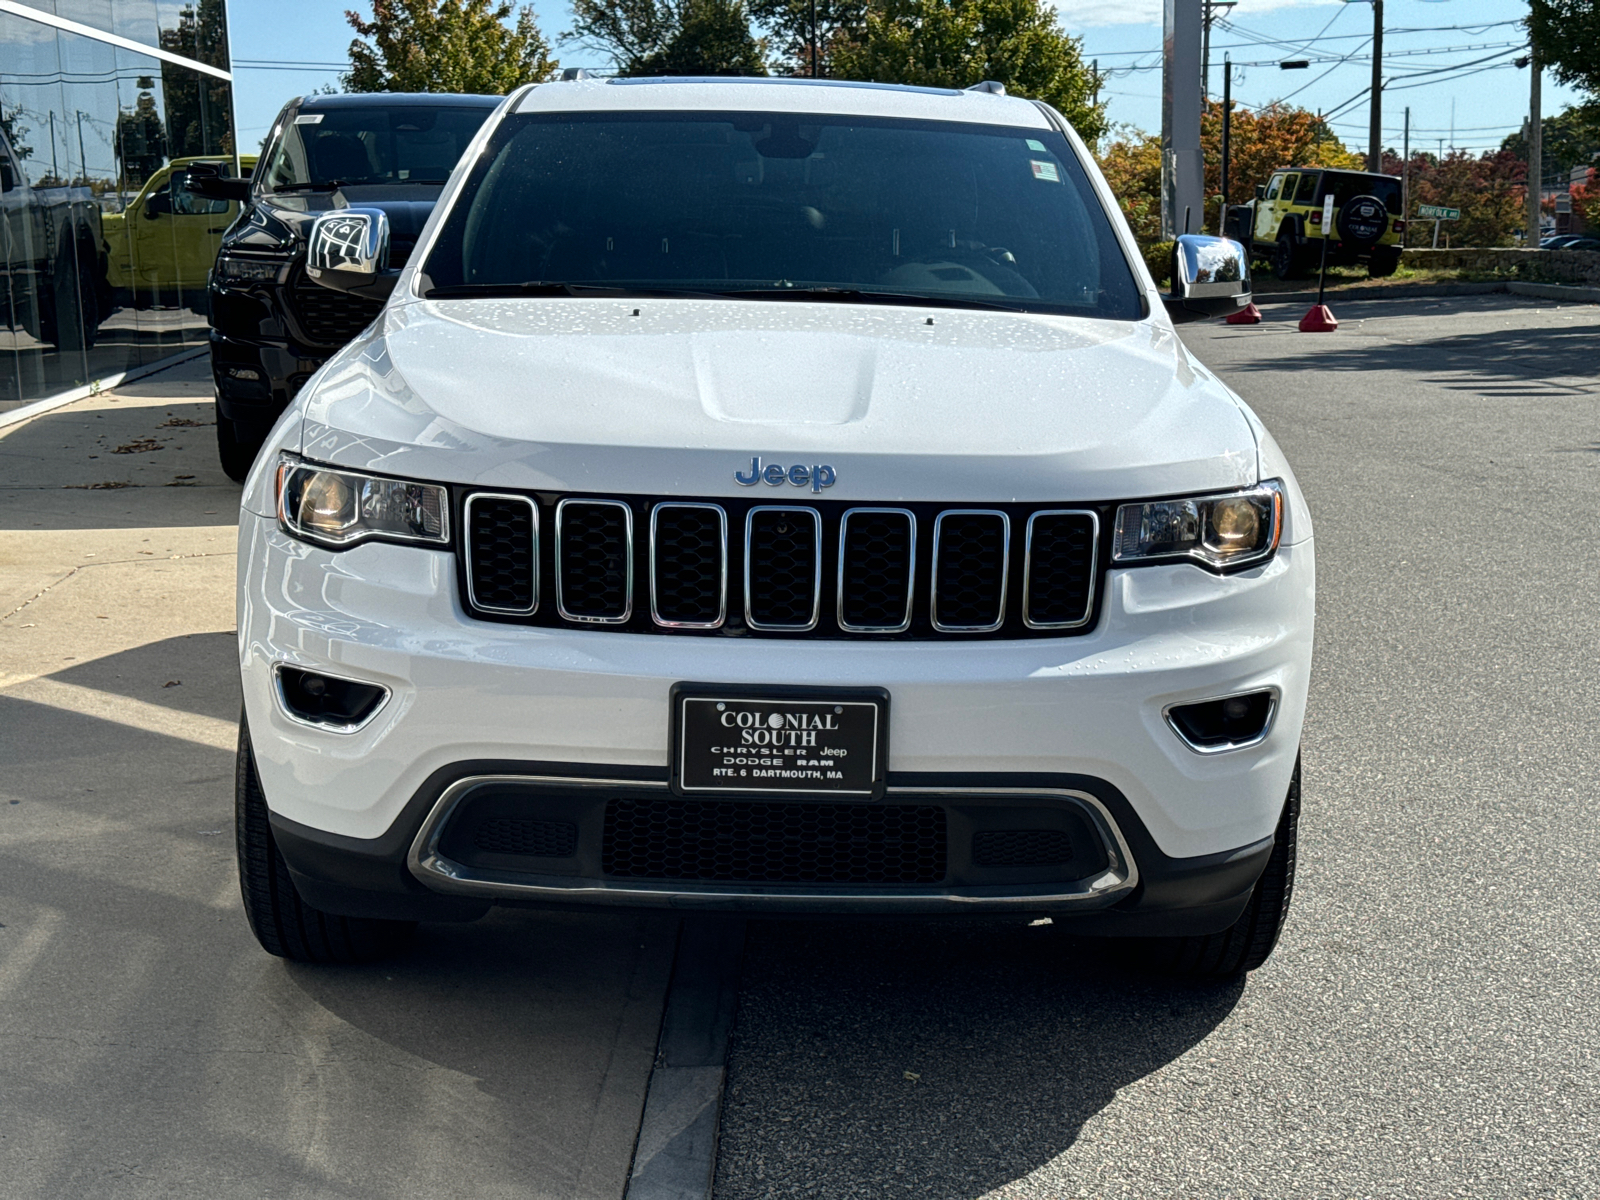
[[271, 326], [1581, 243], [1284, 222], [1558, 242]]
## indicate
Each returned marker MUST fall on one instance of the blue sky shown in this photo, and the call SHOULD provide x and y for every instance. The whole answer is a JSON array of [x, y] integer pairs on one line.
[[1125, 35]]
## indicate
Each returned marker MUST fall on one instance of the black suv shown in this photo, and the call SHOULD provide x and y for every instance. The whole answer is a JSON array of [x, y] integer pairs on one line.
[[271, 326]]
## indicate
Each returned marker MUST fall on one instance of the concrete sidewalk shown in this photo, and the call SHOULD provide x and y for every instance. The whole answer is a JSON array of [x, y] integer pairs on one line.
[[148, 1047]]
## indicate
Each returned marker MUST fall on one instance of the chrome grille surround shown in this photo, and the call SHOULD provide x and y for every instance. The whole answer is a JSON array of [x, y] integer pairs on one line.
[[1005, 570], [800, 512], [722, 607], [571, 504], [469, 538], [911, 566], [1027, 568]]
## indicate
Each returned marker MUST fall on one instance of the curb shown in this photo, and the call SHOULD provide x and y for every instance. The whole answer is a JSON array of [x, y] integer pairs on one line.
[[675, 1156], [106, 383], [1543, 291]]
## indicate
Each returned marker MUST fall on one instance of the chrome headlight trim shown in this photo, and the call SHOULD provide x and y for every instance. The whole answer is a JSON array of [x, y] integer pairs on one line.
[[291, 468]]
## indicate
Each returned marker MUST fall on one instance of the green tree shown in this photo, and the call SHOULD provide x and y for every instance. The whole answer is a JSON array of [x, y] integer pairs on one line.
[[1566, 34], [199, 117], [446, 46], [1571, 139], [957, 43], [789, 23], [670, 37]]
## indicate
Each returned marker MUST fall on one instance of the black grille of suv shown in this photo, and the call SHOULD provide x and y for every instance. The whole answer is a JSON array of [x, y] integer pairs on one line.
[[327, 317], [759, 842], [824, 569]]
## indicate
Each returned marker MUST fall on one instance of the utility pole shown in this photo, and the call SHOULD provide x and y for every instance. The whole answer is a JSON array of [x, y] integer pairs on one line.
[[1094, 69], [1375, 149], [1535, 150], [1210, 14], [1227, 143], [1182, 166], [1405, 181]]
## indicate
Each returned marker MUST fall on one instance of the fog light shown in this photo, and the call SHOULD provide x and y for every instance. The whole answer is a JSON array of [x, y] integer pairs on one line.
[[244, 373], [1229, 723], [327, 701]]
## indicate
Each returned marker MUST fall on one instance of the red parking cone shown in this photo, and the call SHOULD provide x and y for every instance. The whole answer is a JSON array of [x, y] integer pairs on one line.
[[1319, 318], [1248, 315]]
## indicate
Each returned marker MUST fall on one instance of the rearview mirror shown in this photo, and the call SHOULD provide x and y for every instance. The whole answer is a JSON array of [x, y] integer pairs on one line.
[[158, 205], [207, 179], [349, 252], [8, 179], [1210, 278], [1261, 191]]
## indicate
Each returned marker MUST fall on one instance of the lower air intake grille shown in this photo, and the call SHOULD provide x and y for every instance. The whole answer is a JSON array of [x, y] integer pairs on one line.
[[756, 842], [1021, 847], [594, 560], [535, 839]]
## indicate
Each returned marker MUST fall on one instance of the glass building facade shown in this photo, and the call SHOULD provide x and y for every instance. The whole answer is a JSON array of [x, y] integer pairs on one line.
[[105, 250]]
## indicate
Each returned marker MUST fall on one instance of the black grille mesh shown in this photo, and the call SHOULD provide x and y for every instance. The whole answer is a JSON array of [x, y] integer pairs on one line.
[[754, 842], [782, 567], [1021, 847], [969, 571], [688, 564], [327, 317], [501, 552], [535, 839], [594, 560], [876, 570], [1061, 568]]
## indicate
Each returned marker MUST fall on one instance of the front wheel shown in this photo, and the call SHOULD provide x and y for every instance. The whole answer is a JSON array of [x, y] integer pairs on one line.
[[284, 924], [1249, 941], [237, 447]]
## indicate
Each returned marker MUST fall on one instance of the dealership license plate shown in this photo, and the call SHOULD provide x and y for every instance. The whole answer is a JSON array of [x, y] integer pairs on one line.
[[779, 740]]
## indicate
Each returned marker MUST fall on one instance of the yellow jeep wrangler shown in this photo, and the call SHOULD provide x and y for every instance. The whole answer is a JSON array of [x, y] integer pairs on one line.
[[1284, 223]]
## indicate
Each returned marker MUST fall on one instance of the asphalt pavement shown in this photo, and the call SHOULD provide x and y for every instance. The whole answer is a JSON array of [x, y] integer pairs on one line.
[[148, 1046], [1430, 1023]]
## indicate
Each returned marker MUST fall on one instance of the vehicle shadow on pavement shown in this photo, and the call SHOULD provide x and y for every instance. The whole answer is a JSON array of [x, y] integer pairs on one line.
[[933, 1060], [193, 673], [1491, 363]]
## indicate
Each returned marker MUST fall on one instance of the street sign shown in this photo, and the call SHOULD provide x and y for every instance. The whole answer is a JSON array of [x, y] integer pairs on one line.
[[1436, 212]]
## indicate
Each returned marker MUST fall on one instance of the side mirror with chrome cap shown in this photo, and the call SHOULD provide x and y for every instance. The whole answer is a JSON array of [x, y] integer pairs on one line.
[[349, 252], [1210, 278]]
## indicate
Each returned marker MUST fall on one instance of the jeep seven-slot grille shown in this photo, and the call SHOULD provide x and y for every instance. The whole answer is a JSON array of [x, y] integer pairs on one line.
[[760, 842], [824, 569]]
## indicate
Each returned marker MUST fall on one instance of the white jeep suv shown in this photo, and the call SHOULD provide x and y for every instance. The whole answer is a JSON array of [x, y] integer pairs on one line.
[[772, 496]]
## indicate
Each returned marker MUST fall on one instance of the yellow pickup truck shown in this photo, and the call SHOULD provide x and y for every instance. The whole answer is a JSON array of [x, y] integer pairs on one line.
[[1284, 222], [160, 248]]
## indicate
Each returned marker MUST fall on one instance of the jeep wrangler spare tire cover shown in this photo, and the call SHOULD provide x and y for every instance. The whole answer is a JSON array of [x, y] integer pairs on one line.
[[1363, 219]]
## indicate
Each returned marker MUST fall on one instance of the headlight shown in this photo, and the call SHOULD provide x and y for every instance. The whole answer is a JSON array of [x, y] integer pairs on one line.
[[247, 270], [341, 508], [1229, 530]]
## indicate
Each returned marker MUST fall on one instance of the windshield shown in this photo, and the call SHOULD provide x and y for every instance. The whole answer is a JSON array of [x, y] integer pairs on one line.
[[766, 203], [372, 145]]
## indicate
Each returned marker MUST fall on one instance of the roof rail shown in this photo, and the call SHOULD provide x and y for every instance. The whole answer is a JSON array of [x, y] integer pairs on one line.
[[989, 85], [572, 74]]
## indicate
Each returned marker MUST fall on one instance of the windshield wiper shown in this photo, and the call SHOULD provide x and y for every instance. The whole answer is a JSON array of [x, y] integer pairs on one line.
[[863, 296], [328, 185], [540, 287]]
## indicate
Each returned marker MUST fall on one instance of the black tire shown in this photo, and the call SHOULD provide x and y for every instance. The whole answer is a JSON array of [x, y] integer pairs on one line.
[[69, 306], [283, 923], [1287, 261], [1384, 261], [1249, 941], [237, 447]]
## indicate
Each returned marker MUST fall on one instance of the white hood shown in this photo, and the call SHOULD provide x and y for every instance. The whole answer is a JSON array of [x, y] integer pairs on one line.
[[672, 397]]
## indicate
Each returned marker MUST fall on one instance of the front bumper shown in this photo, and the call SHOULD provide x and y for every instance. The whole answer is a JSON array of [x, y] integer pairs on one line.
[[466, 698]]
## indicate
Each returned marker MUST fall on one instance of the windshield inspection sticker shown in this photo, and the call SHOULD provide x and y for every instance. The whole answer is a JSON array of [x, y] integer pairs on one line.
[[1046, 171], [309, 118], [1036, 146]]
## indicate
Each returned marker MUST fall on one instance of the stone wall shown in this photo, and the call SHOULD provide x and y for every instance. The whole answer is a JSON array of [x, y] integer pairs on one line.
[[1544, 266]]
